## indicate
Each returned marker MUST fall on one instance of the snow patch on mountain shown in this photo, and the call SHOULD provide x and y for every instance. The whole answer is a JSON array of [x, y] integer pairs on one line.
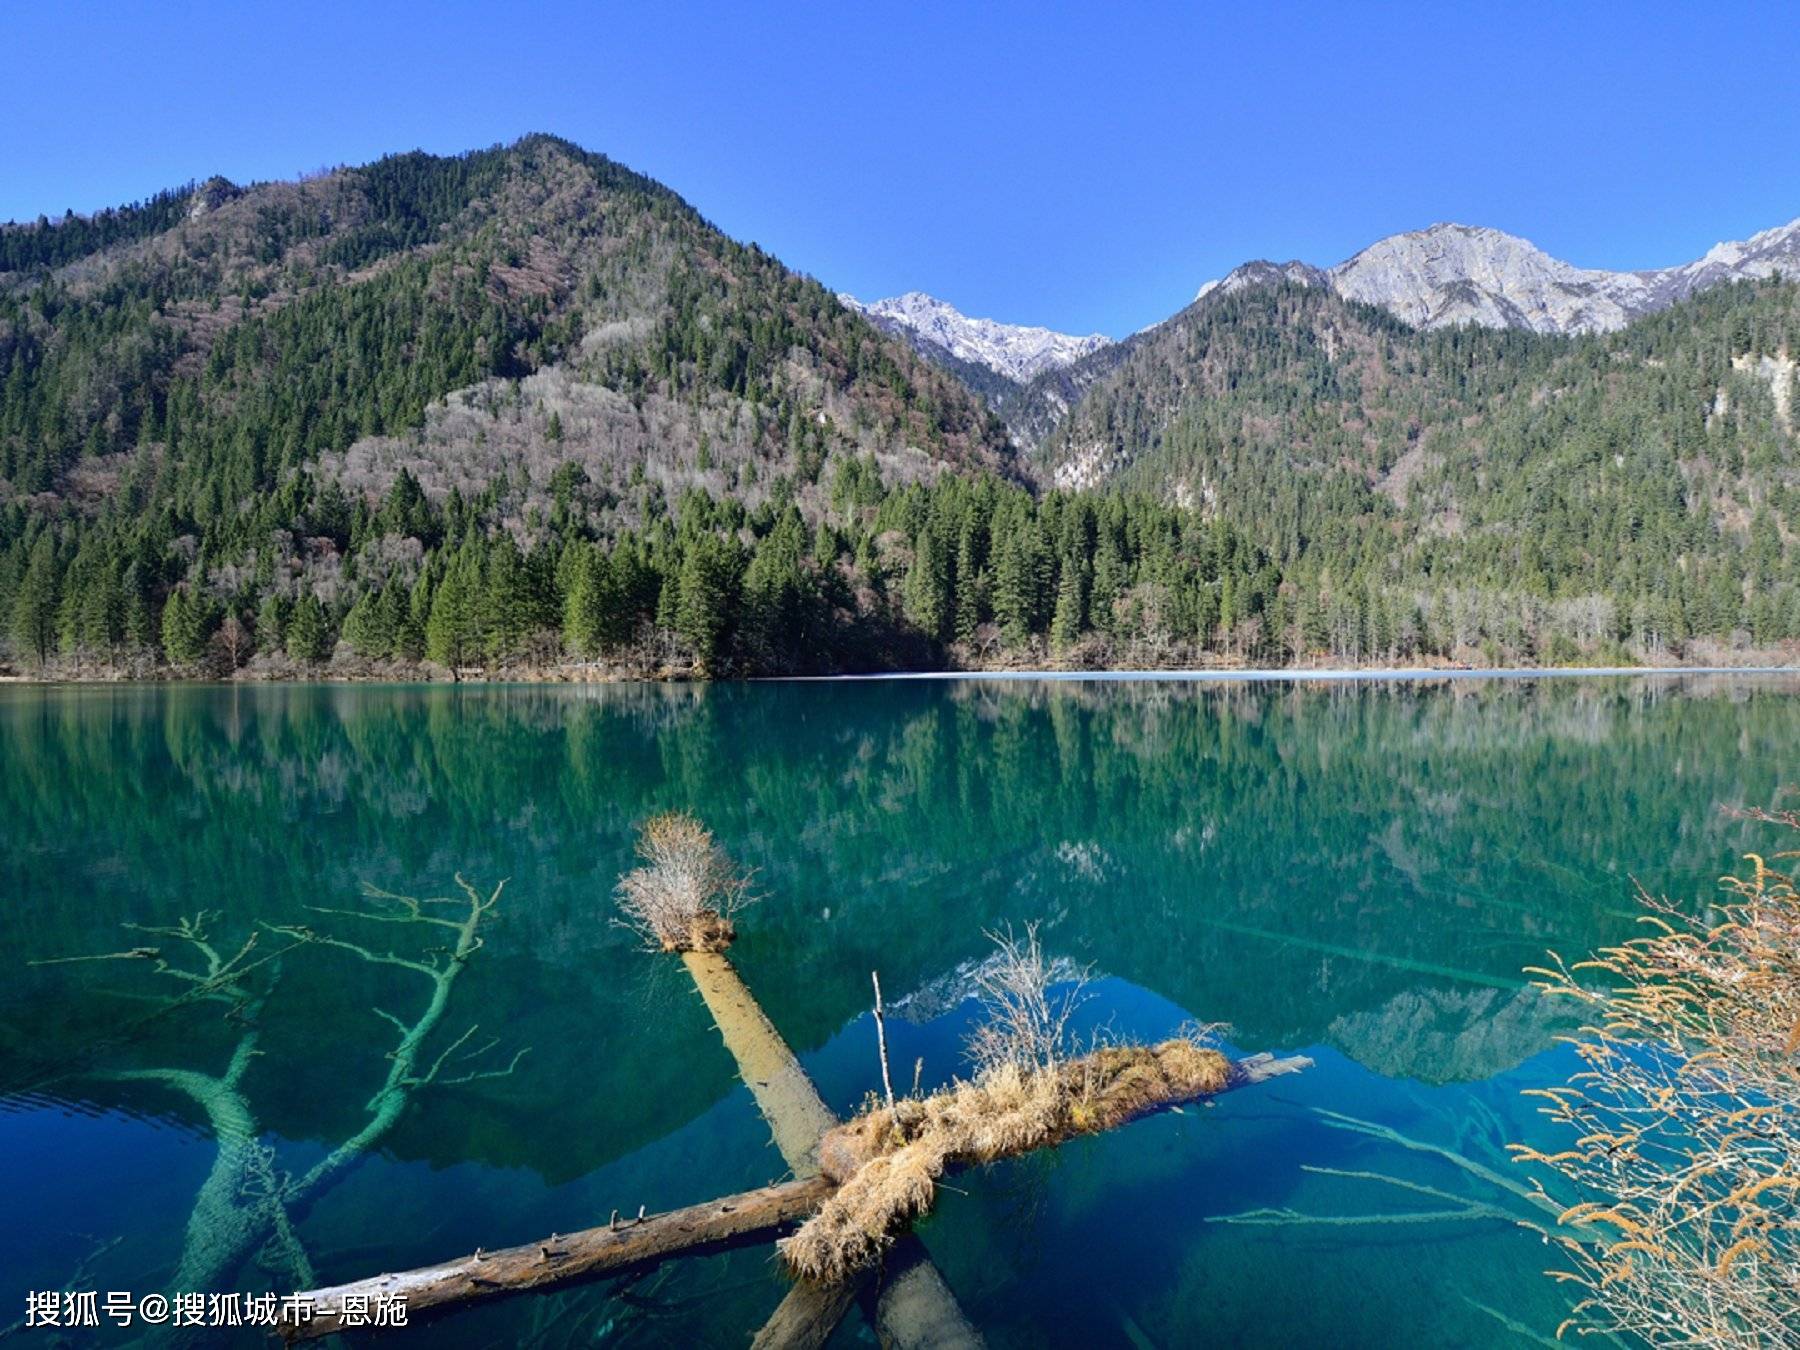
[[1015, 351]]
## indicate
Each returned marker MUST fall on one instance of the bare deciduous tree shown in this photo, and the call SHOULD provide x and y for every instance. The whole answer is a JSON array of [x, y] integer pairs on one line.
[[233, 642]]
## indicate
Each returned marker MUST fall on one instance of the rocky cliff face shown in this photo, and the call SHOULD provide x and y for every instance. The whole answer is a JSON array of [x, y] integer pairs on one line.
[[1453, 274]]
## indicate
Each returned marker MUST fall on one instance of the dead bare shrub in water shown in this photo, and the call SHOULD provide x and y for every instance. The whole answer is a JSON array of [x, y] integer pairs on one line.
[[1686, 1123], [686, 892], [1027, 1093], [1027, 1004]]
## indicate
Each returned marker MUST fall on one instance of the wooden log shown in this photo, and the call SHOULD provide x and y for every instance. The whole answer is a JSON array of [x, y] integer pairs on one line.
[[796, 1115], [571, 1256], [917, 1301], [915, 1309], [1260, 1068], [805, 1319], [927, 1311]]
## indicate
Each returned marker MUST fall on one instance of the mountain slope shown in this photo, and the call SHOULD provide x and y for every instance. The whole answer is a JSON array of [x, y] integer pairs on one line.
[[1660, 460], [1029, 377], [537, 255], [525, 410], [268, 400]]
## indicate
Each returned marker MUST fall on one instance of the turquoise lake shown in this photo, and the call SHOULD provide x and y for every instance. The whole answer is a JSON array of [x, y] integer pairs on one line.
[[1357, 872]]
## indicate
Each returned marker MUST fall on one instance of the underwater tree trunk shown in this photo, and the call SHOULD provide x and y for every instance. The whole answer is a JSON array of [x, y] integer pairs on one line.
[[915, 1305], [238, 1210], [808, 1315], [244, 1207], [797, 1116]]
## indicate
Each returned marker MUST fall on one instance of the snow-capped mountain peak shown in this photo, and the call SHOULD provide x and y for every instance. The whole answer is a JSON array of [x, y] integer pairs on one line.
[[1016, 351]]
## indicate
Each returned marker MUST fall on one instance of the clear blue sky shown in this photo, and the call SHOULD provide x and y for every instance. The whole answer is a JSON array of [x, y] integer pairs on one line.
[[1084, 167]]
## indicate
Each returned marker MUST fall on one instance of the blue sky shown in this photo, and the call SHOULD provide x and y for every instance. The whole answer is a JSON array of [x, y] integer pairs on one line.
[[1084, 167]]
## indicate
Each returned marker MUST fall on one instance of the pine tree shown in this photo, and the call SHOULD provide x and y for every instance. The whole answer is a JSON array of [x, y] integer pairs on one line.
[[703, 609], [308, 634], [271, 622], [141, 627], [926, 592], [34, 607], [413, 613], [584, 603], [1109, 579], [186, 626], [453, 630], [1228, 610], [1014, 602], [1070, 618], [777, 597], [508, 611], [372, 626], [971, 598], [100, 626]]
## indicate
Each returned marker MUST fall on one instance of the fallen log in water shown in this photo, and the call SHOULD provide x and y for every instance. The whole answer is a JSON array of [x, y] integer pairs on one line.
[[797, 1116], [630, 1244], [682, 901], [915, 1306], [561, 1259], [805, 1319]]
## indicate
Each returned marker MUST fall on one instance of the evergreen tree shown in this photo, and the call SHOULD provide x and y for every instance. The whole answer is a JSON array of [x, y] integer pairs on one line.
[[35, 605], [706, 594], [777, 599], [1014, 601], [971, 588], [372, 627], [1070, 618], [186, 627], [585, 617], [415, 614], [926, 594], [271, 622], [308, 634], [453, 635], [508, 607], [141, 627]]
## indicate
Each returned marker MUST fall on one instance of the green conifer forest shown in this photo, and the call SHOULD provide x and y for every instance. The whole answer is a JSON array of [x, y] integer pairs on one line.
[[525, 411]]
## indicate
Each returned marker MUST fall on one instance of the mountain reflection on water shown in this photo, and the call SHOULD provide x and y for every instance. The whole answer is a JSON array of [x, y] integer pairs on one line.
[[1360, 871]]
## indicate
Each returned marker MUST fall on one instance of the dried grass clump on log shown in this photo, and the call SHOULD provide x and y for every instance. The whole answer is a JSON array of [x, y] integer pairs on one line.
[[685, 894], [1027, 1093]]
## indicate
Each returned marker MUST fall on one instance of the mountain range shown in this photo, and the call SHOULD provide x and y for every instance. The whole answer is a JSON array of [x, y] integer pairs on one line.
[[526, 404], [1437, 277]]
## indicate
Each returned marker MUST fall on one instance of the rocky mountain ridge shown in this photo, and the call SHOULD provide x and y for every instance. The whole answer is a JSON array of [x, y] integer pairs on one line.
[[1449, 274]]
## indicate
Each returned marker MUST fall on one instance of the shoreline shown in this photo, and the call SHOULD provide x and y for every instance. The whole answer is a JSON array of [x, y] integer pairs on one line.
[[1260, 675], [1293, 675]]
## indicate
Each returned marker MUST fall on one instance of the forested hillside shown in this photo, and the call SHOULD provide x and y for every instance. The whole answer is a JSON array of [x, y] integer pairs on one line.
[[1535, 493], [524, 410], [227, 415]]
